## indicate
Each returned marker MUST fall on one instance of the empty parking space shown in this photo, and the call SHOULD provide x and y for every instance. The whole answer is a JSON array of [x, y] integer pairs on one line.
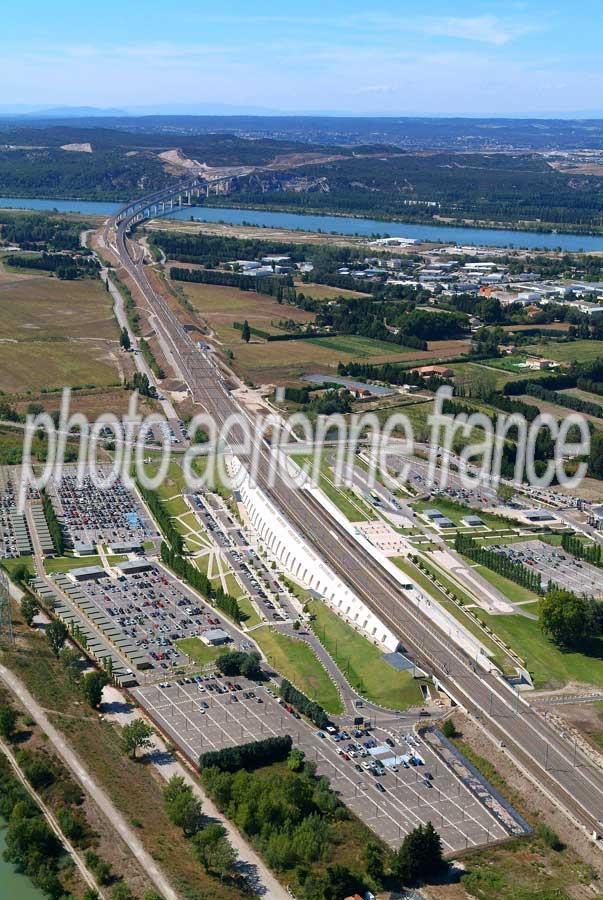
[[415, 785], [557, 566]]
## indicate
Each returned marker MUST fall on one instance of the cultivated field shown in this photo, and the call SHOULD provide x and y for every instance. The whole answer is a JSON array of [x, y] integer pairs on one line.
[[574, 350], [56, 333], [46, 308], [285, 361], [41, 364]]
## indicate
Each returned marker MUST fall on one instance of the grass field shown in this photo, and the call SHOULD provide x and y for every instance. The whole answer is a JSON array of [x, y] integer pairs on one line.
[[512, 591], [362, 663], [362, 347], [353, 508], [199, 652], [324, 291], [456, 511], [54, 364], [567, 352], [46, 308], [550, 667], [249, 615], [556, 410], [297, 662], [56, 333], [477, 372], [67, 563]]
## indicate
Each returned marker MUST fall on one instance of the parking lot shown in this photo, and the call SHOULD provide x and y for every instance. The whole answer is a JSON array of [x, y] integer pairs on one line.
[[261, 583], [554, 564], [155, 611], [412, 785], [91, 515]]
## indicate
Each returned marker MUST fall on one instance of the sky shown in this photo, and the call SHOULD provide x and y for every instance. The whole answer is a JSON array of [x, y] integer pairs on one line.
[[539, 57]]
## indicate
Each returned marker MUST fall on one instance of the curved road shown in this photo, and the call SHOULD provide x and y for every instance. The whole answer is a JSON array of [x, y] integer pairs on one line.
[[563, 772]]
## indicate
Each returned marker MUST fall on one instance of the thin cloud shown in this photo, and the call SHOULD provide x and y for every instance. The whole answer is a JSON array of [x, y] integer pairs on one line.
[[484, 29]]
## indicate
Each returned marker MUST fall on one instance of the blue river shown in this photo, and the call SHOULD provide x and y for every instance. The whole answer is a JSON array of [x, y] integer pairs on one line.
[[482, 237]]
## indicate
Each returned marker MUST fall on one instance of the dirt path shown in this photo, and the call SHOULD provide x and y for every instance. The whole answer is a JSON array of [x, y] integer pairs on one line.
[[102, 799], [266, 885]]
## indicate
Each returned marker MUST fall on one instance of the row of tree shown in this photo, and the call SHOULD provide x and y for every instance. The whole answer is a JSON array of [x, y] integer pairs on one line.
[[590, 553], [162, 517], [208, 840], [498, 562], [201, 583], [54, 527], [65, 267], [307, 707], [247, 756]]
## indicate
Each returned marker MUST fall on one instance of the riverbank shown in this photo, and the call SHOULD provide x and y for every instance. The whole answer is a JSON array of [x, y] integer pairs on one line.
[[545, 228], [339, 224]]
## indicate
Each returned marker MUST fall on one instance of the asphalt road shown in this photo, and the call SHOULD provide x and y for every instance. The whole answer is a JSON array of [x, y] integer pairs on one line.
[[552, 761]]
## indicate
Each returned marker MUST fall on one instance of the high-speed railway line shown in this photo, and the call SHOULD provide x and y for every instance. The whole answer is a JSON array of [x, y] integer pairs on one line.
[[555, 764]]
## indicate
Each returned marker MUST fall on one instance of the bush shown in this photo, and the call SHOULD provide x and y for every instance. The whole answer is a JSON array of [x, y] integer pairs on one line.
[[550, 838], [309, 708], [99, 867], [448, 729], [247, 756]]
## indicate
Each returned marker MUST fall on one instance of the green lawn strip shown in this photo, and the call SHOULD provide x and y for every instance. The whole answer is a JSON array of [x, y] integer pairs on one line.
[[67, 563], [176, 506], [232, 585], [11, 564], [549, 666], [456, 511], [302, 594], [497, 654], [512, 591], [172, 484], [297, 662], [249, 615], [199, 652], [344, 499], [209, 468], [362, 663]]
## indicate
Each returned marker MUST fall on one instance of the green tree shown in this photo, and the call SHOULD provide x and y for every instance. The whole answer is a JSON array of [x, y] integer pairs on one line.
[[100, 868], [21, 573], [595, 459], [92, 687], [420, 855], [122, 891], [8, 722], [183, 808], [566, 618], [213, 850], [374, 861], [136, 736], [29, 609], [124, 339], [56, 634], [246, 332], [71, 661], [295, 760], [448, 729]]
